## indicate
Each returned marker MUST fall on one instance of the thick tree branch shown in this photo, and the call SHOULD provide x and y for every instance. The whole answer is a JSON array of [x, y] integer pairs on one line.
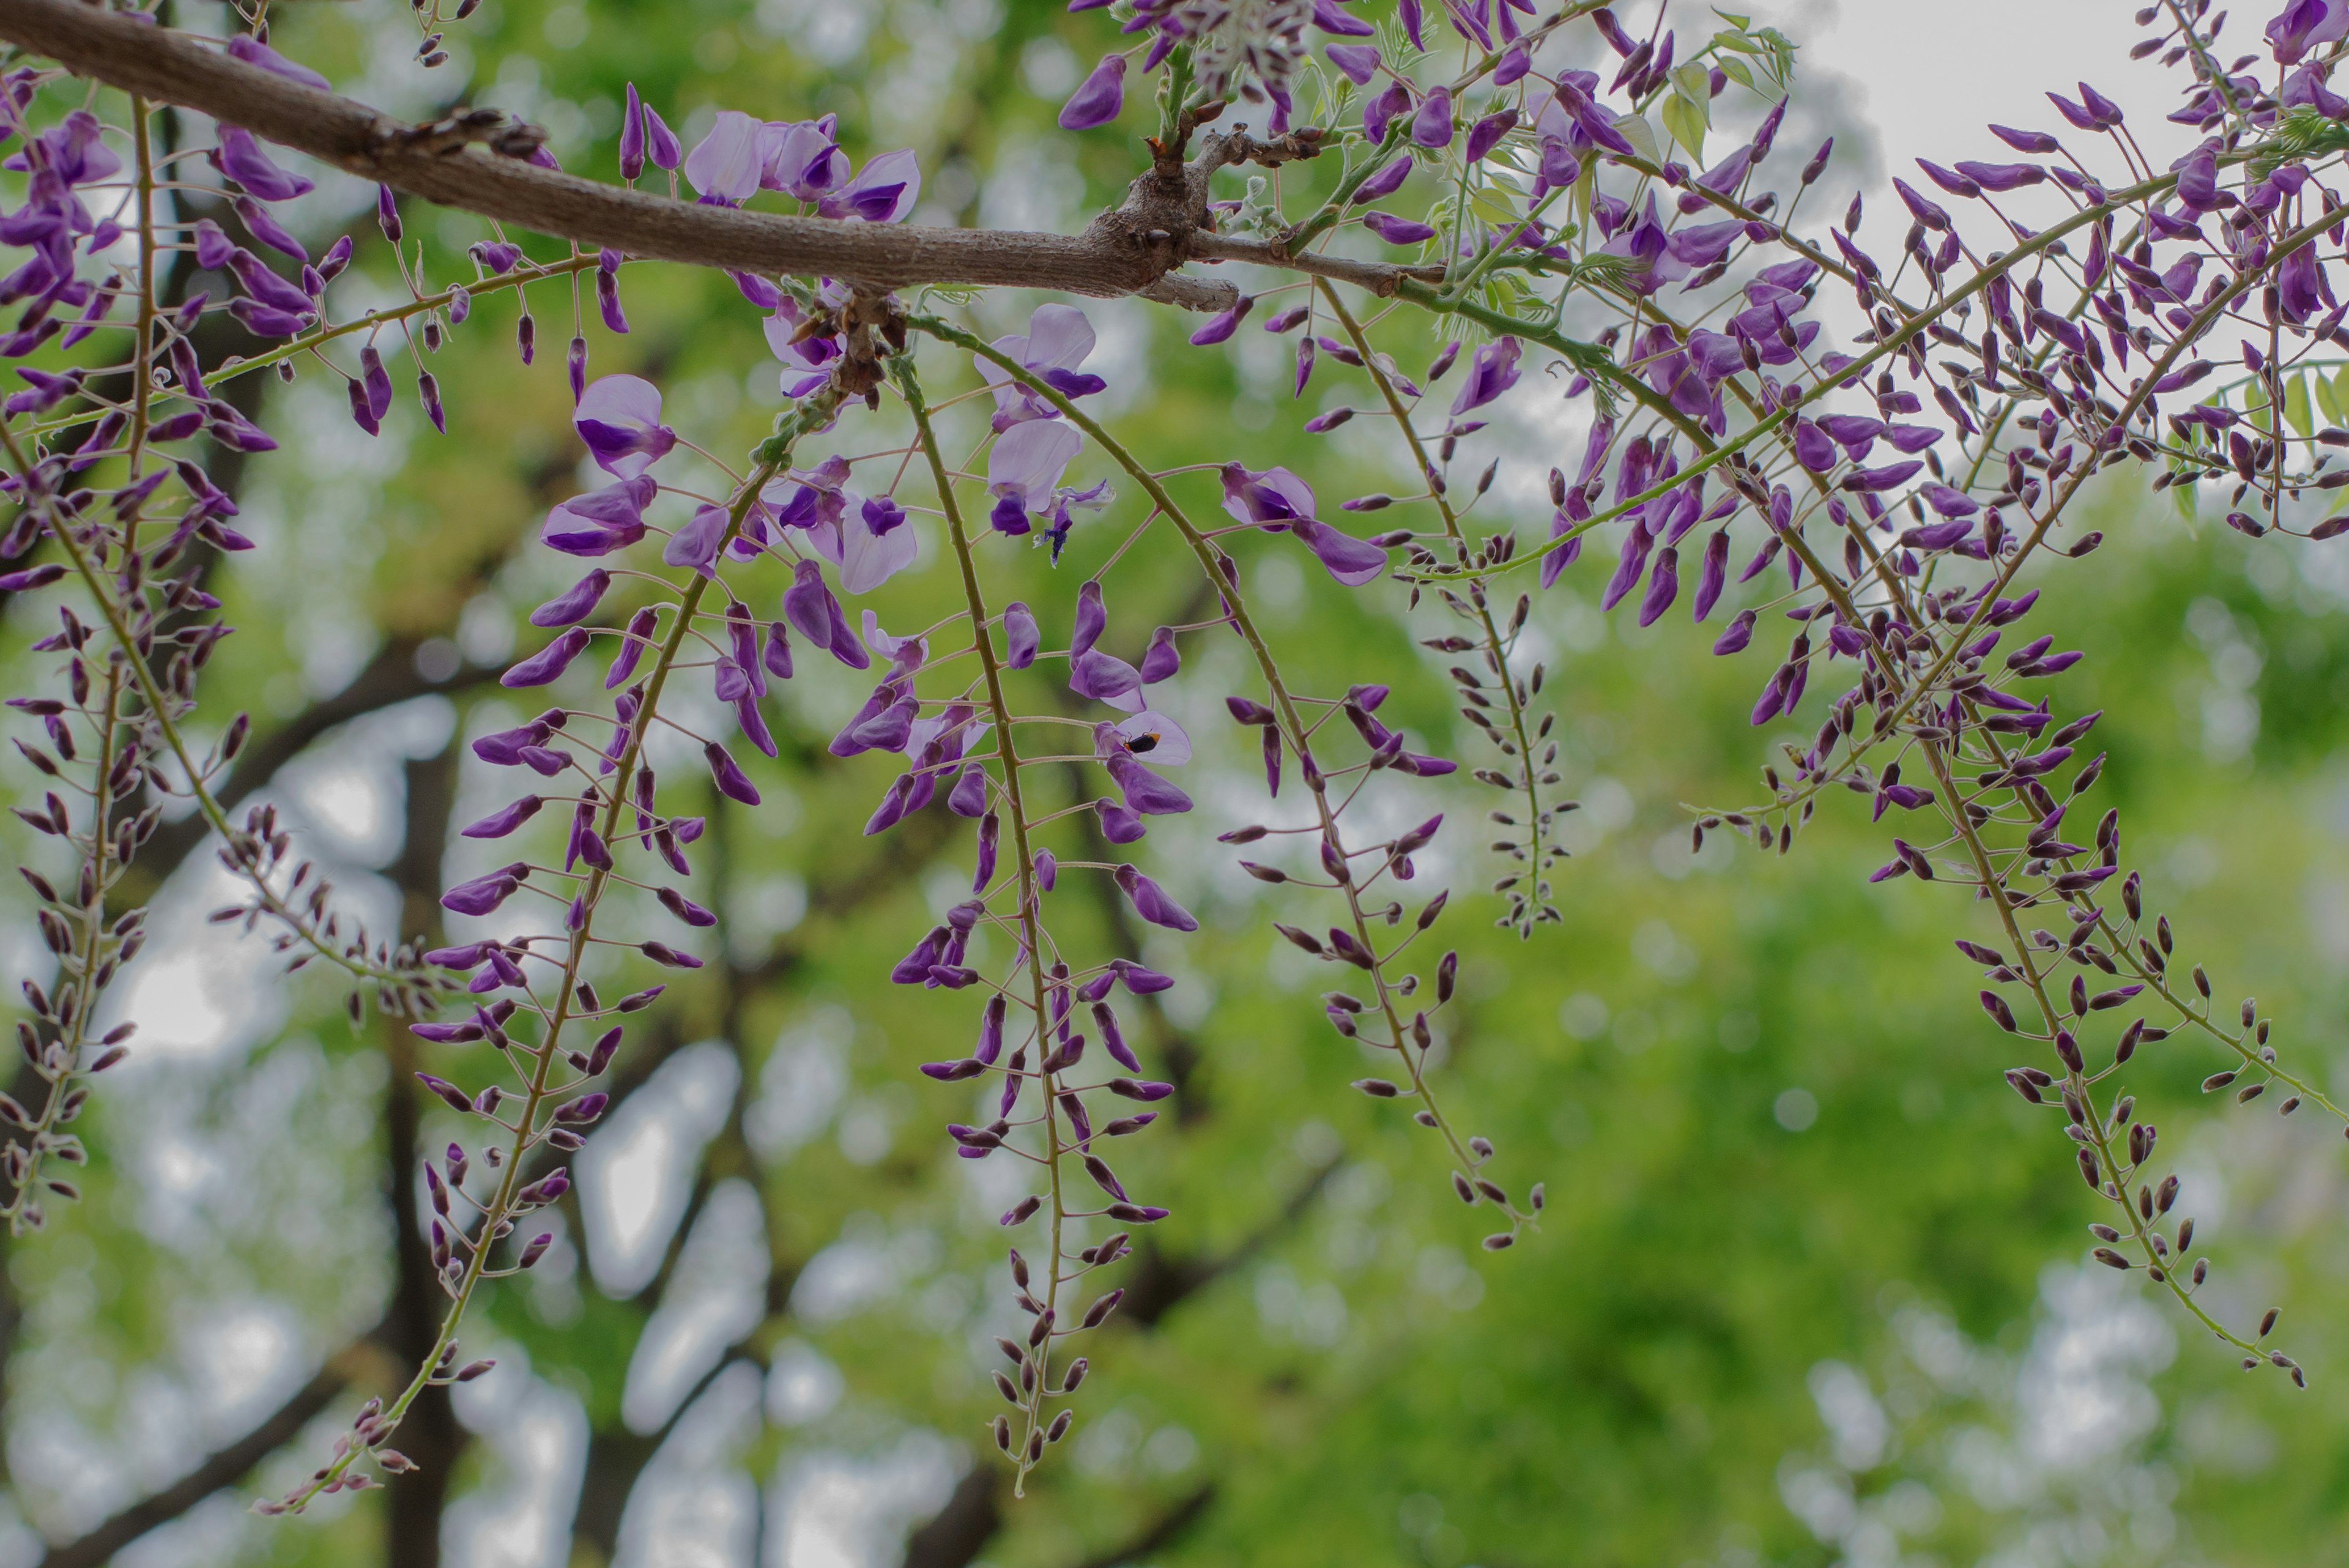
[[1133, 250], [168, 67]]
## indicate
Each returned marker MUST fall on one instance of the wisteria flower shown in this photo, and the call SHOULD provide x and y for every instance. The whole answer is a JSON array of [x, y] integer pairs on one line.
[[800, 159], [1056, 343], [868, 540], [619, 418], [882, 193], [1024, 467], [1277, 500], [725, 165]]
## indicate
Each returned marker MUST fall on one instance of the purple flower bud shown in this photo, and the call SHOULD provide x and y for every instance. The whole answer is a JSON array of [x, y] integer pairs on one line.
[[1664, 587], [808, 604], [362, 408], [1118, 824], [1098, 99], [1739, 633], [696, 544], [1048, 870], [1378, 113], [1431, 127], [500, 823], [731, 781], [1103, 677], [549, 662], [1360, 62], [1151, 903], [661, 144], [1093, 619], [243, 160], [1105, 1020], [377, 380], [455, 1097], [968, 796], [213, 247], [386, 213], [607, 300], [632, 137], [1714, 574], [1021, 637], [483, 894], [1487, 132], [1398, 230], [1223, 324]]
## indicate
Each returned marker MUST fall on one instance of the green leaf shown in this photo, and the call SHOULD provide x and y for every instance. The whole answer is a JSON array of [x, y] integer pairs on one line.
[[1635, 129], [2295, 406], [1737, 71], [1685, 123], [2328, 400]]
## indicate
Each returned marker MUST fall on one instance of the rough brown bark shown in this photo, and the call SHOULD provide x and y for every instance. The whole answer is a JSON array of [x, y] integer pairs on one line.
[[1133, 250], [167, 67]]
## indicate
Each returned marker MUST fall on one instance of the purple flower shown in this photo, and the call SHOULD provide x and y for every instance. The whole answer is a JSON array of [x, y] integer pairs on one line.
[[800, 159], [2002, 177], [549, 662], [1101, 677], [1431, 127], [601, 521], [1024, 466], [1487, 132], [1274, 498], [1398, 230], [726, 164], [661, 144], [619, 418], [1021, 637], [696, 544], [1491, 372], [1360, 62], [1223, 324], [1351, 561], [731, 781], [575, 603], [632, 137], [1119, 824], [1383, 184], [1144, 791], [1099, 98], [498, 824], [1056, 343], [2304, 23], [484, 893], [243, 160], [808, 604], [254, 53], [882, 193], [1378, 113], [868, 541], [1151, 902]]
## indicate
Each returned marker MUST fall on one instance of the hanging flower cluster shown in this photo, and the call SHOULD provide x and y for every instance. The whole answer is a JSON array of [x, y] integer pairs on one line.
[[1881, 473]]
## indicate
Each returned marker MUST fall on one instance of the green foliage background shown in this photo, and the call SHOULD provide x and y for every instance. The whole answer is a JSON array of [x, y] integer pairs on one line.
[[1638, 1385]]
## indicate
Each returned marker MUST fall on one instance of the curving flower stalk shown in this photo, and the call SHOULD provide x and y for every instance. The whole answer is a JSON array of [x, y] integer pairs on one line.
[[552, 1111], [1356, 943], [1517, 742]]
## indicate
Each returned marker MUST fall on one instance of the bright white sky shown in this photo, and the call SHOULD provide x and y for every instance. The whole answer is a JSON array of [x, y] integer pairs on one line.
[[1930, 74]]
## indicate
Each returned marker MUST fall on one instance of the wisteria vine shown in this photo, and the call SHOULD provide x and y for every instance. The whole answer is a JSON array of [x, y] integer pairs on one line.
[[1523, 205]]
